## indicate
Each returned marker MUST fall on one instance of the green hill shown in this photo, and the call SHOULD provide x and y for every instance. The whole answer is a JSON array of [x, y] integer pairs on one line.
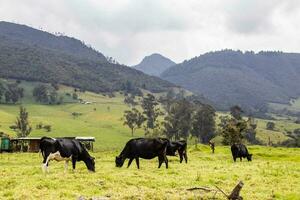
[[34, 55], [251, 80], [101, 118]]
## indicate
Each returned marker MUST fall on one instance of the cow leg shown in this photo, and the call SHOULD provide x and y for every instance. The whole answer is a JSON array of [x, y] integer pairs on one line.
[[180, 155], [46, 163], [241, 159], [44, 166], [166, 161], [66, 166], [185, 156], [129, 162], [234, 158], [137, 162], [73, 163], [161, 159]]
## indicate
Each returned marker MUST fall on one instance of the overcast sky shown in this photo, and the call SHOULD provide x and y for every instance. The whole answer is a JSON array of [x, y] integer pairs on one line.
[[128, 30]]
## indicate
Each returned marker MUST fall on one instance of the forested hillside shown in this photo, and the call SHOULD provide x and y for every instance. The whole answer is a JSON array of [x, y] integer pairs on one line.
[[30, 54], [233, 77]]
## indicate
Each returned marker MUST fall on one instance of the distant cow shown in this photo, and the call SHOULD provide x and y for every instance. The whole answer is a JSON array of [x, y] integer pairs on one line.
[[212, 146], [177, 146], [240, 151], [67, 150], [146, 148]]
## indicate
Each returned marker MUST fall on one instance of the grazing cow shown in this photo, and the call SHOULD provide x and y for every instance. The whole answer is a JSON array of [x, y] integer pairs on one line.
[[212, 146], [177, 146], [240, 151], [67, 150], [146, 148]]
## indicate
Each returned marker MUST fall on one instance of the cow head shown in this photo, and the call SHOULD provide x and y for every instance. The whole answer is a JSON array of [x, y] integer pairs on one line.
[[119, 161], [249, 157], [90, 163]]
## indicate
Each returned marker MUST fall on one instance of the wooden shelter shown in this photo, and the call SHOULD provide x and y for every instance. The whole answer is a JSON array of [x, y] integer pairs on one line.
[[30, 144]]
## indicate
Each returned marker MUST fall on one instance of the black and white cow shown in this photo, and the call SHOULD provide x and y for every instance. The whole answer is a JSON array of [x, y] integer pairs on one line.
[[240, 151], [146, 148], [65, 150]]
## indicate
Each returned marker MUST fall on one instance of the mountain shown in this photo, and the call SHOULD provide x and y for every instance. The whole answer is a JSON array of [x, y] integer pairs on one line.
[[30, 54], [154, 64], [248, 79]]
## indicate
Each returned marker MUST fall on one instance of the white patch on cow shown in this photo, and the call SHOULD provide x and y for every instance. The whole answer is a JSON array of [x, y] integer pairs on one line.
[[56, 156]]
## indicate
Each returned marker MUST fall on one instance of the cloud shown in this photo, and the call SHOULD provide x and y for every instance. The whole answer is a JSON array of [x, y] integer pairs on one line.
[[256, 16], [128, 30]]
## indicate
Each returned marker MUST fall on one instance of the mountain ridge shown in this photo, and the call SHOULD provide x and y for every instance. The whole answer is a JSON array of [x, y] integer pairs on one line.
[[248, 79], [34, 55], [154, 64]]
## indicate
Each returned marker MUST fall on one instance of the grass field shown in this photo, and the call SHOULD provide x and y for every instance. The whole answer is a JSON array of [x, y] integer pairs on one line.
[[101, 119], [274, 173], [293, 106]]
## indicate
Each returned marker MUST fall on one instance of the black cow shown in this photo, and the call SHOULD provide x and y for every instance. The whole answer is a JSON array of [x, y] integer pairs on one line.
[[65, 149], [146, 148], [177, 146], [240, 151]]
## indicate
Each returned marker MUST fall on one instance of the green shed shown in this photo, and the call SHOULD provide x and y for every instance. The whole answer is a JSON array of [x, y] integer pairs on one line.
[[5, 144]]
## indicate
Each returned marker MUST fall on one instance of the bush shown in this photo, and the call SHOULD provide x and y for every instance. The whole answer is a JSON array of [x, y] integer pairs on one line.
[[270, 125], [47, 128], [39, 126]]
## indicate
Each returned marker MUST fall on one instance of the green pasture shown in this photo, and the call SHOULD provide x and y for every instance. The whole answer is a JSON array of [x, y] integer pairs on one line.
[[274, 173]]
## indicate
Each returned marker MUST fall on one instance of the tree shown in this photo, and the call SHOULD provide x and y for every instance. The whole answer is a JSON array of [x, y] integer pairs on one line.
[[129, 87], [150, 110], [203, 125], [270, 126], [13, 93], [23, 127], [235, 128], [236, 112], [231, 132], [177, 123], [2, 90], [129, 100], [250, 132], [46, 94], [133, 119], [75, 96], [55, 86], [40, 93]]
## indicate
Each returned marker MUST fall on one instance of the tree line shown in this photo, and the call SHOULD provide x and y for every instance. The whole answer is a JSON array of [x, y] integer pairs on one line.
[[11, 92], [177, 117], [173, 118]]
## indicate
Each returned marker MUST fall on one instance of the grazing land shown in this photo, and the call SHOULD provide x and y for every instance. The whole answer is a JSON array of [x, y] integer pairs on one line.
[[294, 105], [274, 173]]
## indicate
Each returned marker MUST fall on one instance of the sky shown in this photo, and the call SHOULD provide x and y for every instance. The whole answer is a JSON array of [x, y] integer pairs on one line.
[[129, 30]]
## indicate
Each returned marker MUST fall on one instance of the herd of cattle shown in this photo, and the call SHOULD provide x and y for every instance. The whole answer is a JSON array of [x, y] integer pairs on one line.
[[146, 148]]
